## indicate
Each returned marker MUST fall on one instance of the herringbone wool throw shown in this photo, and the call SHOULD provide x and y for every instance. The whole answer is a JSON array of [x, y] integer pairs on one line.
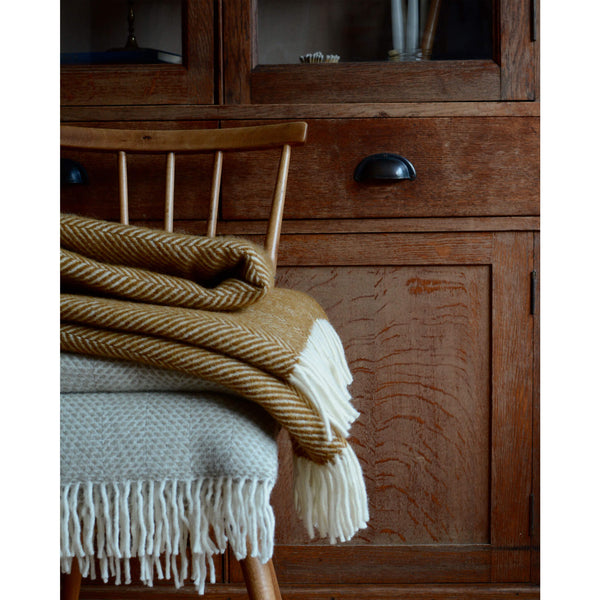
[[208, 308]]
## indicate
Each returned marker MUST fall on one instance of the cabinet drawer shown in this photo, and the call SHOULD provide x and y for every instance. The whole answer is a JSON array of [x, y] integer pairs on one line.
[[466, 166]]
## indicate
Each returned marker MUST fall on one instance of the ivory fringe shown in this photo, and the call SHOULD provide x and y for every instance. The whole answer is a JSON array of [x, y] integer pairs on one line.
[[331, 497], [107, 524], [323, 376]]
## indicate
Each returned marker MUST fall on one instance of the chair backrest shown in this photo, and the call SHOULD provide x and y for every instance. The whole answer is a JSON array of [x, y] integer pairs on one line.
[[195, 141]]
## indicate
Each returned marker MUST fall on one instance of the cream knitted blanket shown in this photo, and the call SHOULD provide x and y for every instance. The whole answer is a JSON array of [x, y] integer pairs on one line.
[[208, 308]]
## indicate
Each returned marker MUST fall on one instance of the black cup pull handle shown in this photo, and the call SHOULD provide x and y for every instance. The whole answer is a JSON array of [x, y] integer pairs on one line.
[[384, 166]]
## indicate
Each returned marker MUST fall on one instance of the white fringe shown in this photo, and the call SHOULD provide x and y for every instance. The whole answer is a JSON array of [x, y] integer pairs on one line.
[[110, 523], [331, 497], [322, 374]]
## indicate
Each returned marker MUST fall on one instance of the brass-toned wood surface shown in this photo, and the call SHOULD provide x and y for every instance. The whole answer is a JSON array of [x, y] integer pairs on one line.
[[468, 166]]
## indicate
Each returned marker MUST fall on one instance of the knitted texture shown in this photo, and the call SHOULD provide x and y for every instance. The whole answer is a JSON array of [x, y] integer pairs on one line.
[[151, 474], [80, 374], [116, 436], [180, 302]]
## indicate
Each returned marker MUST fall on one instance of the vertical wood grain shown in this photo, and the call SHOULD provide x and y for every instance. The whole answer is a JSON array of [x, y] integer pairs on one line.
[[517, 58], [512, 391], [535, 485], [237, 51]]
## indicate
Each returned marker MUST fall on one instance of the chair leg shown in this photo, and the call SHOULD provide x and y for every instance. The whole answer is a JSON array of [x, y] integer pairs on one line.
[[274, 580], [70, 584], [260, 579]]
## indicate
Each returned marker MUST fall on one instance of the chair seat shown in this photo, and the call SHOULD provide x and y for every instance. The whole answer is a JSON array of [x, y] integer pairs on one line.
[[147, 473]]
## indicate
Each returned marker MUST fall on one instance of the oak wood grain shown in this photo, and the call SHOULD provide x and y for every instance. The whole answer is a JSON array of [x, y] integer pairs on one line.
[[465, 167], [417, 341], [407, 225], [536, 410], [301, 111], [517, 51], [446, 81], [512, 399]]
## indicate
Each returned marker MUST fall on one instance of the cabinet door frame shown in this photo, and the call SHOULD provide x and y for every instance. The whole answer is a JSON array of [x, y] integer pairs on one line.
[[509, 76], [189, 83], [510, 555]]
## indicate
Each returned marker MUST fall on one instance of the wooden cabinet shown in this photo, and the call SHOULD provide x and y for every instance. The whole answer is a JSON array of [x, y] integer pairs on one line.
[[465, 166], [191, 82], [432, 283], [508, 73]]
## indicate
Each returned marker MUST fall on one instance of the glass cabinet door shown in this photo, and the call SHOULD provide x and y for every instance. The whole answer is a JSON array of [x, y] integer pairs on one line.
[[137, 52], [311, 51]]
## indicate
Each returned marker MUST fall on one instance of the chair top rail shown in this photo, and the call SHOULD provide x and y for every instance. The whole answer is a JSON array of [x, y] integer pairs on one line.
[[259, 137]]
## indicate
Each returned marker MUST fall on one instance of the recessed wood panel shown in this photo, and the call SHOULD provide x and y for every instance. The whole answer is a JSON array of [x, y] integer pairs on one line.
[[418, 342]]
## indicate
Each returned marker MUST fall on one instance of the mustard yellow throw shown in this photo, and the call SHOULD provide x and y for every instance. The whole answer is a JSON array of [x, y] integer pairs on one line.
[[208, 307]]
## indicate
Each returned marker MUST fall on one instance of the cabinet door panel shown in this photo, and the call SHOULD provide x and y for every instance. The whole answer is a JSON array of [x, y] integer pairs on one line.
[[439, 339]]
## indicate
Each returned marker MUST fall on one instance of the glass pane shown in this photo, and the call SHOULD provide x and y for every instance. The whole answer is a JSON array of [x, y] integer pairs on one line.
[[120, 31], [373, 30]]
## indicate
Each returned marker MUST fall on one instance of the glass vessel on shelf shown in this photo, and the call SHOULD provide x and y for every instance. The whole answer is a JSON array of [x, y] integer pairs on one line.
[[313, 31]]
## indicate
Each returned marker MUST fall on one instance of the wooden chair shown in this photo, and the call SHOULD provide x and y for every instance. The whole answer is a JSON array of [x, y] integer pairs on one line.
[[260, 579]]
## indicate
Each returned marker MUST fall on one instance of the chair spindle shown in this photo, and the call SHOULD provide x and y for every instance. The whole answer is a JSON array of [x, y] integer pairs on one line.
[[123, 196], [214, 195], [275, 218], [170, 192]]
